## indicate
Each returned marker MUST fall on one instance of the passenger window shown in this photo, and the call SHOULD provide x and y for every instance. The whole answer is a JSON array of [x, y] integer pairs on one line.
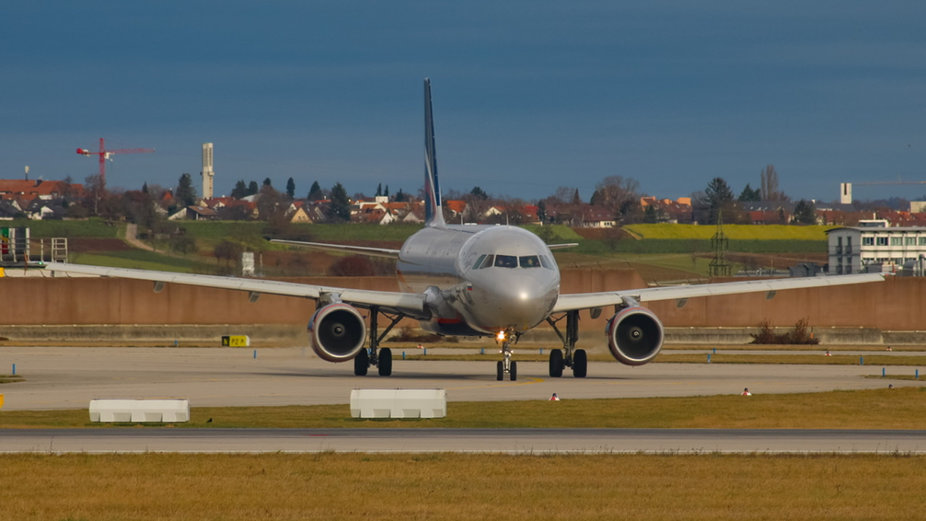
[[506, 261], [529, 261]]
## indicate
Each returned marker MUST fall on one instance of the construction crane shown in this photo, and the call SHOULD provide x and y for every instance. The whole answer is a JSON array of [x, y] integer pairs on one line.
[[104, 154]]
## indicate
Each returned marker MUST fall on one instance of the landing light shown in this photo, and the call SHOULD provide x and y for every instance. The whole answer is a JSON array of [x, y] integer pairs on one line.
[[500, 336]]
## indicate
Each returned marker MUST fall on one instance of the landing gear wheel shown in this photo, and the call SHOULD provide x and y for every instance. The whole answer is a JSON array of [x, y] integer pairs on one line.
[[500, 371], [513, 372], [385, 362], [362, 363], [579, 363], [556, 363]]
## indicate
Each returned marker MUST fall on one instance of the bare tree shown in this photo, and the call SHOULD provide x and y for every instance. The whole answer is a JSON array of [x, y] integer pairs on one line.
[[769, 187], [620, 196]]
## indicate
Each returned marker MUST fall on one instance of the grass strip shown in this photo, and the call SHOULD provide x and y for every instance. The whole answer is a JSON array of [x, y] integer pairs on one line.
[[899, 408], [461, 487]]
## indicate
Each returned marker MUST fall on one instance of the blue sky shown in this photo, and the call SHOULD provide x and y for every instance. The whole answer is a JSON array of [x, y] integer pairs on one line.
[[528, 95]]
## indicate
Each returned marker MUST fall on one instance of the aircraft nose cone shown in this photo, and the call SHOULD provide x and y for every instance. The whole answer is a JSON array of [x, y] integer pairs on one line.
[[522, 302]]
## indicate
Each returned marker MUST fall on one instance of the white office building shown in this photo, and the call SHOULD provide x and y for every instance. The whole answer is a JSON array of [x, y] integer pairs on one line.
[[876, 248]]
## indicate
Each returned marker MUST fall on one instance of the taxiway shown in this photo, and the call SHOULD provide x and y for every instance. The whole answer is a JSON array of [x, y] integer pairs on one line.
[[68, 378]]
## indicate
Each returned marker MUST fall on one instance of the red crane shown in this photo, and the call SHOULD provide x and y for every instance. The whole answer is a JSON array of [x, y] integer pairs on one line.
[[108, 154]]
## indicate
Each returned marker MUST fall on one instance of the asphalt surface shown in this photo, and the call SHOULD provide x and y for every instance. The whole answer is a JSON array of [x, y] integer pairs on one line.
[[68, 378], [509, 441]]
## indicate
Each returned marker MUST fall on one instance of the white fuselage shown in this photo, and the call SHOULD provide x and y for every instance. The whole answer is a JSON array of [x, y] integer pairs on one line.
[[484, 279]]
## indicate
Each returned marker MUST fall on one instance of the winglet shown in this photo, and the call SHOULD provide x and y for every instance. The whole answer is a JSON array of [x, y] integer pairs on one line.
[[433, 215]]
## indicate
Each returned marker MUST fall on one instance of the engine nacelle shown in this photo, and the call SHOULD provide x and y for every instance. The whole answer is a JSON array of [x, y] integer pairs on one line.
[[337, 332], [634, 336]]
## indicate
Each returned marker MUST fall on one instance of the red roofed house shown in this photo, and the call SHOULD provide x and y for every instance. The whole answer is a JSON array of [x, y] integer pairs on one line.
[[27, 190]]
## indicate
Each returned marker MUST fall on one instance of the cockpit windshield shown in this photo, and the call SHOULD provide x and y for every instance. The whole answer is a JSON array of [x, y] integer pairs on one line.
[[506, 261], [513, 261]]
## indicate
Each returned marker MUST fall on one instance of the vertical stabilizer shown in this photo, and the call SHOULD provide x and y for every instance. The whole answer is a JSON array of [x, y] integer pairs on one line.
[[433, 215]]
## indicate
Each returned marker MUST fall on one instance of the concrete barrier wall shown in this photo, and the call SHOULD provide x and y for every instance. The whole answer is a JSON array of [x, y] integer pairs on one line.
[[897, 304], [140, 411]]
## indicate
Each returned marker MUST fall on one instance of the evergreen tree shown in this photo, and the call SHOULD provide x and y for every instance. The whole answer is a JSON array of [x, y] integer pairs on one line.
[[185, 193], [253, 188], [379, 190], [339, 209], [750, 194], [315, 192], [400, 196], [240, 190], [267, 182], [719, 197], [649, 215], [291, 188]]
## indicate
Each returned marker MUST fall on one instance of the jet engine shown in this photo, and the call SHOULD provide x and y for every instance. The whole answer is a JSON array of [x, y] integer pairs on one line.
[[337, 332], [634, 336]]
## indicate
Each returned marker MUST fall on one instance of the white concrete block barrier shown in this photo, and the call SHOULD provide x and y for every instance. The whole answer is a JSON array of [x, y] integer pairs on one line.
[[398, 403], [140, 411]]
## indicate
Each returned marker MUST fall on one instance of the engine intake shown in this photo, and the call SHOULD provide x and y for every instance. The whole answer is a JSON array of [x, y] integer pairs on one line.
[[634, 336], [337, 332]]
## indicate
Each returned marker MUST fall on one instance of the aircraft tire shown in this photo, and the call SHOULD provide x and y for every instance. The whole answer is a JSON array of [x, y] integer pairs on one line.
[[385, 362], [579, 363], [556, 363], [499, 371], [513, 375], [361, 363]]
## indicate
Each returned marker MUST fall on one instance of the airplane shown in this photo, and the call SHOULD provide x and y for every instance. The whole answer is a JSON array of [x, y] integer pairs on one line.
[[470, 280]]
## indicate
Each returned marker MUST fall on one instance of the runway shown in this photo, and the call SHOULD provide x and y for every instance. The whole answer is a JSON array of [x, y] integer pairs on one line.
[[507, 441]]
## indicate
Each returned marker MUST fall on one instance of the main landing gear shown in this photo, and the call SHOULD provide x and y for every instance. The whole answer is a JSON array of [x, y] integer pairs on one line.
[[375, 356], [569, 356]]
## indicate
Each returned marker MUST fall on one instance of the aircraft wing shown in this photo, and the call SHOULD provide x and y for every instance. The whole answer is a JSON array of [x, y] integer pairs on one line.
[[343, 248], [409, 303], [616, 298]]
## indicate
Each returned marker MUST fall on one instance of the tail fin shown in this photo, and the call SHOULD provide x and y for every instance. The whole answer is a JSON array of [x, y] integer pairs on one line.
[[434, 216]]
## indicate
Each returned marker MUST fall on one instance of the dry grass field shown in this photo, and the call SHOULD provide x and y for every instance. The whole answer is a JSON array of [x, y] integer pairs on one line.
[[405, 487], [471, 486], [710, 486]]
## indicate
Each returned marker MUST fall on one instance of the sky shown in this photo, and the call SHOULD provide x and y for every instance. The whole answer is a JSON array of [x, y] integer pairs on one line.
[[529, 95]]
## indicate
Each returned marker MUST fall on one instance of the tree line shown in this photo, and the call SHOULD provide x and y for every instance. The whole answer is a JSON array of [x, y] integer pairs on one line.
[[615, 198]]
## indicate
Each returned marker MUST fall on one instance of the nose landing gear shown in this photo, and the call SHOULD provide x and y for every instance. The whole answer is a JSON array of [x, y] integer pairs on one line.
[[506, 366]]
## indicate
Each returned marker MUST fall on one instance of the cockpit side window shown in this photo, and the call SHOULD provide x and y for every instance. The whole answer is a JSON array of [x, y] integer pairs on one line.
[[529, 261], [479, 262], [545, 262], [488, 262], [506, 261]]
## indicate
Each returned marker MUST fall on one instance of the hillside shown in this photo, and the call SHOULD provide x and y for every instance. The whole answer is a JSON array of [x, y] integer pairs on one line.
[[659, 252]]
